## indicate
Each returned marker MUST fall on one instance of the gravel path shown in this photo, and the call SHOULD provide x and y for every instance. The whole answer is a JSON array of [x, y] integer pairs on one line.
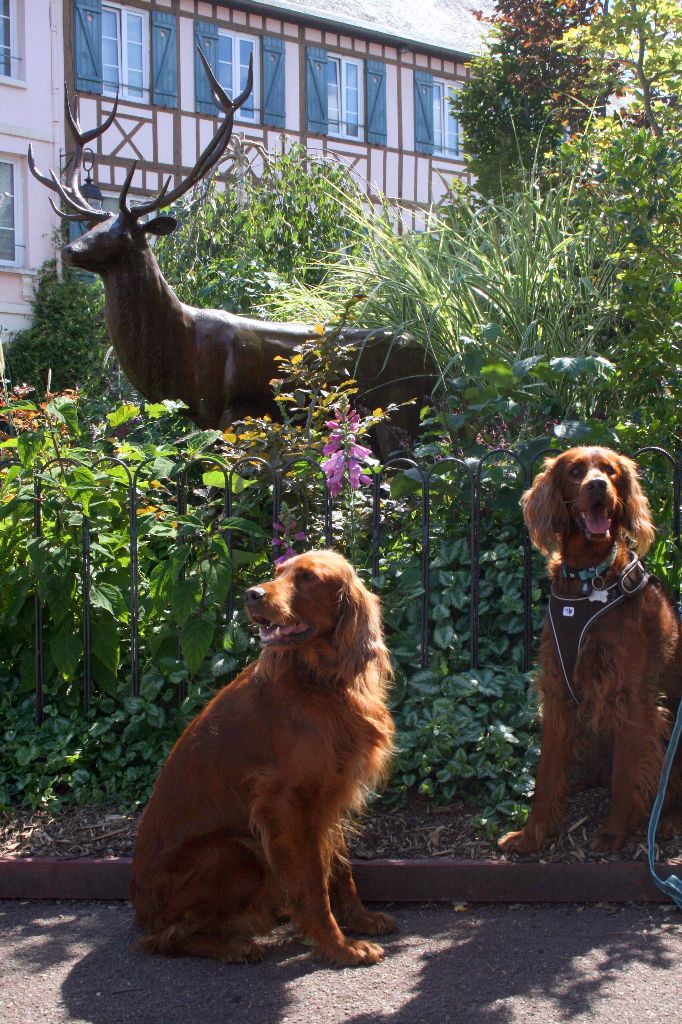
[[72, 963]]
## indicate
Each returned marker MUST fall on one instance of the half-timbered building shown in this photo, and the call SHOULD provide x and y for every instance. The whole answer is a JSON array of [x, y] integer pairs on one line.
[[366, 81]]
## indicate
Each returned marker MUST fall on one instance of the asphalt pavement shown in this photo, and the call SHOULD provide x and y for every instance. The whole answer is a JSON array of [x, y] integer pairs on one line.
[[449, 964]]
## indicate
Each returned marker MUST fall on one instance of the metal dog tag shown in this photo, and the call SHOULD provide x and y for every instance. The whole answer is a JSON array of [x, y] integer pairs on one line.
[[599, 595]]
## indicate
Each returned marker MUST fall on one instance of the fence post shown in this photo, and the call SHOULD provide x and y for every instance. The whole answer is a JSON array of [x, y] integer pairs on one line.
[[475, 563], [527, 586], [39, 639], [134, 589], [87, 666], [426, 571]]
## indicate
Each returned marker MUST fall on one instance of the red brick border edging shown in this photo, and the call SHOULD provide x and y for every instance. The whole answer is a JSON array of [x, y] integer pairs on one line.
[[438, 880]]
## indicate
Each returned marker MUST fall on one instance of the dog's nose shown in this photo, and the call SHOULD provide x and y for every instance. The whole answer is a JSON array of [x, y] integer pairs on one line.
[[254, 594], [597, 485]]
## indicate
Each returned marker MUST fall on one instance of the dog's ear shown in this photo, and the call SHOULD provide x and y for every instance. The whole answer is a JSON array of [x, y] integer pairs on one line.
[[544, 509], [636, 514], [358, 636]]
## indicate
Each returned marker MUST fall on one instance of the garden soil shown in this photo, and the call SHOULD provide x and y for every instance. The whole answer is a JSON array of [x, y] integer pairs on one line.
[[412, 831]]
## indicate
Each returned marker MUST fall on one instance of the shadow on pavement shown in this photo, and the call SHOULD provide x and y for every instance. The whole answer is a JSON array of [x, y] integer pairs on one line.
[[488, 965], [562, 961]]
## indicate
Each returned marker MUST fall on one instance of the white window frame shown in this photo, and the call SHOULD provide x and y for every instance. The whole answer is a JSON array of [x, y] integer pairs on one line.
[[342, 132], [234, 88], [446, 89], [13, 42], [18, 260], [125, 91]]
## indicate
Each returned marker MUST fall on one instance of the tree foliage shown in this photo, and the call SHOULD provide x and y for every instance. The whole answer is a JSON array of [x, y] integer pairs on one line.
[[526, 91], [638, 44], [239, 241]]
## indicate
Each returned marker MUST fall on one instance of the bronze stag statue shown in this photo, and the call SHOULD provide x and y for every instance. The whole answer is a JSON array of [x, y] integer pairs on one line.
[[219, 364]]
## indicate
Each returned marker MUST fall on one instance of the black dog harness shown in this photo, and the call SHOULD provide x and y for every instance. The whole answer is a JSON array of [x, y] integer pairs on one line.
[[569, 618]]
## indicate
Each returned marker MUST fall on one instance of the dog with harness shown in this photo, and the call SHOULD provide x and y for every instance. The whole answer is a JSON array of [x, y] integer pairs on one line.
[[610, 675]]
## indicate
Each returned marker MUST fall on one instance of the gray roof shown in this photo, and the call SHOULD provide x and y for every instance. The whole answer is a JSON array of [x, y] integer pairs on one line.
[[444, 25]]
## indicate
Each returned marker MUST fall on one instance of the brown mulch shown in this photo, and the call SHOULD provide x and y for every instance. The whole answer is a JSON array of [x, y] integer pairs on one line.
[[414, 831]]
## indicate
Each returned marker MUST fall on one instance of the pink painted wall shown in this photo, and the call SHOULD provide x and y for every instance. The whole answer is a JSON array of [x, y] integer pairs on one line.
[[31, 110]]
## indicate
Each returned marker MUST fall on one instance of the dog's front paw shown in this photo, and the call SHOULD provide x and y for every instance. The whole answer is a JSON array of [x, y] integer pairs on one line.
[[355, 953], [241, 951], [526, 840], [607, 840], [370, 923]]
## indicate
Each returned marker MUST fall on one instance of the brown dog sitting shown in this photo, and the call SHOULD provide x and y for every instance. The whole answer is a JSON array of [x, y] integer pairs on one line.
[[245, 821], [610, 685]]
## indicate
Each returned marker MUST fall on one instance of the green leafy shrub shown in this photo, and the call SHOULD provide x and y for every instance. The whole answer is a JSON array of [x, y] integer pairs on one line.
[[238, 242], [67, 336], [189, 644]]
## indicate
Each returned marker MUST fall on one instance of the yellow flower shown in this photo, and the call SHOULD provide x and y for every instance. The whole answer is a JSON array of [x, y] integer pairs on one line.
[[319, 329]]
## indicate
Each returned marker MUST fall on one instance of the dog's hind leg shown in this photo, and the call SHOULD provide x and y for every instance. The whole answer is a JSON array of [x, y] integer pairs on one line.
[[215, 906]]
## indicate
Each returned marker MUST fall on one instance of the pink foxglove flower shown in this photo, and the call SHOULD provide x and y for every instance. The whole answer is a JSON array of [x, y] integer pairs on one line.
[[346, 456], [289, 534]]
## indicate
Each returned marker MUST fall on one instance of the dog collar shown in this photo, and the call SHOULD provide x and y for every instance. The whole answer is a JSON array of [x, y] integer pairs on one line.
[[591, 572]]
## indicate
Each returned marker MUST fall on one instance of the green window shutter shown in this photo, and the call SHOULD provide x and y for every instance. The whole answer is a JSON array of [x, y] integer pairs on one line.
[[316, 89], [273, 81], [206, 36], [87, 44], [76, 228], [423, 112], [375, 91], [164, 60]]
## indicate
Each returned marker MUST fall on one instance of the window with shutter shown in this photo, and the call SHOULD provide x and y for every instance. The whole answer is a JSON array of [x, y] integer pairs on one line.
[[375, 76], [88, 45], [125, 52], [10, 61], [316, 90], [205, 36], [423, 112], [345, 100], [9, 213], [234, 52], [274, 112], [446, 131], [164, 60]]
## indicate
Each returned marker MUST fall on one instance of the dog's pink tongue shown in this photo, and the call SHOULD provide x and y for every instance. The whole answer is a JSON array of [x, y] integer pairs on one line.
[[597, 522]]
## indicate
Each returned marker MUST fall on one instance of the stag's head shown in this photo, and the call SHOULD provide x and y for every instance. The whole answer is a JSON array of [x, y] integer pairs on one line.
[[111, 237]]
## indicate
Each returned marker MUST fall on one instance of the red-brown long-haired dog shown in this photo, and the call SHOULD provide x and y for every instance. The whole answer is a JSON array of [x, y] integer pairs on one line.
[[612, 707], [245, 821]]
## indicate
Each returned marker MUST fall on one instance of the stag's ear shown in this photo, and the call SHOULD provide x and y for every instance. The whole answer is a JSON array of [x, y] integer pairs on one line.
[[162, 225]]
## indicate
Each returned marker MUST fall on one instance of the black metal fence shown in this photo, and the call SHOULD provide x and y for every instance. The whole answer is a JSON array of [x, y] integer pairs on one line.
[[473, 474]]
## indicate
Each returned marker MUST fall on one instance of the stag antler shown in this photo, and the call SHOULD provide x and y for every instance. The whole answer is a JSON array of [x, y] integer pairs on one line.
[[211, 154], [71, 194]]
